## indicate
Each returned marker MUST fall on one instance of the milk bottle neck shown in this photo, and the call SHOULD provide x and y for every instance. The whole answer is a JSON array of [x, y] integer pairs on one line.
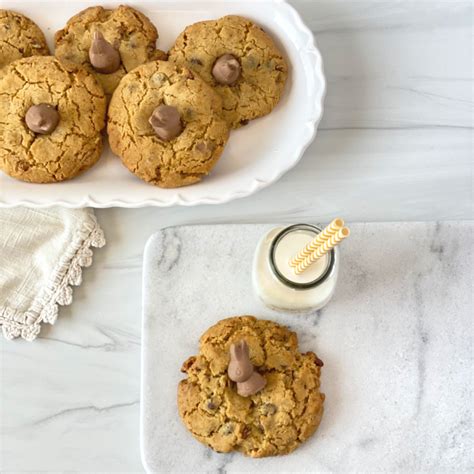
[[284, 276]]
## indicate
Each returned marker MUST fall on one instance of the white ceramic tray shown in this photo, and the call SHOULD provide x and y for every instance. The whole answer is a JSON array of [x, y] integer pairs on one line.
[[256, 155]]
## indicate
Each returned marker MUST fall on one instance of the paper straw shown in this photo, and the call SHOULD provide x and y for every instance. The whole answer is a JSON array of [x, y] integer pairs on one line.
[[323, 236], [323, 249]]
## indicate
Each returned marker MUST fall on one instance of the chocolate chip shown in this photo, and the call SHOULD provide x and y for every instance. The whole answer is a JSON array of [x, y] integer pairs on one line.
[[211, 405], [195, 61], [318, 362], [158, 177], [23, 165], [244, 122], [245, 432]]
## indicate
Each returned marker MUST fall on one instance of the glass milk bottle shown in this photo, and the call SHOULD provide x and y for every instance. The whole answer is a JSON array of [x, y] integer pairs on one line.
[[275, 281]]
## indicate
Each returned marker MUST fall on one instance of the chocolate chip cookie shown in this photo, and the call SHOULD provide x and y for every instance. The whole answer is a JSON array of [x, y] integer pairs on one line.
[[166, 125], [276, 419], [239, 60], [124, 30], [19, 38], [51, 117]]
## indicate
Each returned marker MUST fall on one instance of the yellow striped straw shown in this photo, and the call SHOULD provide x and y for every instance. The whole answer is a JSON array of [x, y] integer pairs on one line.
[[325, 234], [323, 249]]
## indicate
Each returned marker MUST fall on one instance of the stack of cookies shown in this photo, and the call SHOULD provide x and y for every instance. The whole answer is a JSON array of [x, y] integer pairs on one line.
[[168, 115]]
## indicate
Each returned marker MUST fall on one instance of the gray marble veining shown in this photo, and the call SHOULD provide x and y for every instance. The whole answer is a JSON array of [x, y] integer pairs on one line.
[[396, 341]]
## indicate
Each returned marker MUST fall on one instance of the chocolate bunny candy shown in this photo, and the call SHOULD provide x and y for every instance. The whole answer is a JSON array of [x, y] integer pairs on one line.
[[241, 370], [104, 57]]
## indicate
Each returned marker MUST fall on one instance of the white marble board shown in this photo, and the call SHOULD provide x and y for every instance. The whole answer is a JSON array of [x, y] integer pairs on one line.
[[396, 341]]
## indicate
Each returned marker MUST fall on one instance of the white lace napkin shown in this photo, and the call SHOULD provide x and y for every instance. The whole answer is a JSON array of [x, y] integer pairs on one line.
[[41, 255]]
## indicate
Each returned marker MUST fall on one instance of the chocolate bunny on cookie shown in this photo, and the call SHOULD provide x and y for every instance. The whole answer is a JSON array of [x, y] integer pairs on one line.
[[241, 370]]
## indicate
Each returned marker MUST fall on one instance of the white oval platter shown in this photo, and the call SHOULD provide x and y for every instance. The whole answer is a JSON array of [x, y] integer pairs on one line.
[[257, 154]]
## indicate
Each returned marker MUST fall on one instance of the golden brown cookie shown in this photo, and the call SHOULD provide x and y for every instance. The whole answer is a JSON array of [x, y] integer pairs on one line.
[[64, 104], [263, 70], [19, 38], [277, 419], [126, 29], [184, 159]]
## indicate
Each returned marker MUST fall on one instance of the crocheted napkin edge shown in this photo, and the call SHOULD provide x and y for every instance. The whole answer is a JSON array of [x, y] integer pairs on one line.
[[58, 291]]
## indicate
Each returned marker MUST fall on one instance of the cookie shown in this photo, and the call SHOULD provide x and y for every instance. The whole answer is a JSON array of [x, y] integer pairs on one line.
[[52, 115], [239, 60], [126, 30], [276, 419], [166, 125], [19, 38]]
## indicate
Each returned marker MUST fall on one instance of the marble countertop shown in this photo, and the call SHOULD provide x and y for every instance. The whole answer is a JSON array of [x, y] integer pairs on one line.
[[397, 135], [70, 401]]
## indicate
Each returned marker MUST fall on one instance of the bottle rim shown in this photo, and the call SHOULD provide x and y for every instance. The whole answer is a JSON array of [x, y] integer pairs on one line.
[[292, 284]]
